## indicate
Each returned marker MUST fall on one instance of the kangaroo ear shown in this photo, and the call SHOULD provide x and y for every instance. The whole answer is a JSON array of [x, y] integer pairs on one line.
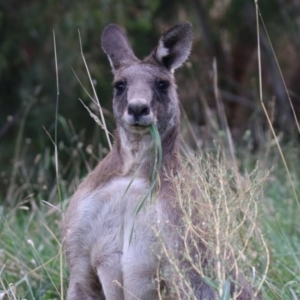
[[174, 46], [117, 47]]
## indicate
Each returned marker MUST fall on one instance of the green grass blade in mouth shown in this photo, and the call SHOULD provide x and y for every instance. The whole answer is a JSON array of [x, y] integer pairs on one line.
[[157, 162], [157, 147], [157, 157]]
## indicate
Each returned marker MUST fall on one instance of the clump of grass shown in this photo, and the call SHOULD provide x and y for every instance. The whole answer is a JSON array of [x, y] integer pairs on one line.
[[30, 256], [30, 242], [220, 231], [281, 226]]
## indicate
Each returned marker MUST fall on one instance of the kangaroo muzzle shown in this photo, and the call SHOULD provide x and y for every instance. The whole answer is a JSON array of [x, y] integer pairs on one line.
[[138, 114]]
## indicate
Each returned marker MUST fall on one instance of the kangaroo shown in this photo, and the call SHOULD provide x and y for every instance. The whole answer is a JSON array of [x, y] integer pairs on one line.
[[112, 250]]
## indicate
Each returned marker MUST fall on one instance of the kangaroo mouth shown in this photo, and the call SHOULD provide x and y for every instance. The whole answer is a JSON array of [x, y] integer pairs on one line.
[[136, 127], [138, 123]]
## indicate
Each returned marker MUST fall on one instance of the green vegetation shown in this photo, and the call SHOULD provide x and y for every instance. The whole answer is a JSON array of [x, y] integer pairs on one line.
[[32, 265]]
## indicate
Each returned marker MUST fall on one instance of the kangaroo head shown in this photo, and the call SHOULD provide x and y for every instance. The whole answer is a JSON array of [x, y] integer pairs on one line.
[[145, 90]]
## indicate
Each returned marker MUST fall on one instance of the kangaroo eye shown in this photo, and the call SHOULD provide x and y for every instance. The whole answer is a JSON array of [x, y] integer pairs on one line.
[[120, 86], [163, 85]]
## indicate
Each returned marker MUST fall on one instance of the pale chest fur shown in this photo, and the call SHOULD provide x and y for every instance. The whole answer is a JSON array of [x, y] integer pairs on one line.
[[108, 220]]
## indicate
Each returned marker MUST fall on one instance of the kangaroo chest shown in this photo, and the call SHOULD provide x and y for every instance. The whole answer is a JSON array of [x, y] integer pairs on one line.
[[118, 215]]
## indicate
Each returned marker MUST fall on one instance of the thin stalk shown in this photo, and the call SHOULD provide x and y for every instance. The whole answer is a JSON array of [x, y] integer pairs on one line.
[[56, 120], [264, 108], [56, 160], [281, 75], [95, 95]]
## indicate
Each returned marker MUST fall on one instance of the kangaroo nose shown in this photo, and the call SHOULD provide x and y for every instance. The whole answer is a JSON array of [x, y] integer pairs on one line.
[[138, 110]]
